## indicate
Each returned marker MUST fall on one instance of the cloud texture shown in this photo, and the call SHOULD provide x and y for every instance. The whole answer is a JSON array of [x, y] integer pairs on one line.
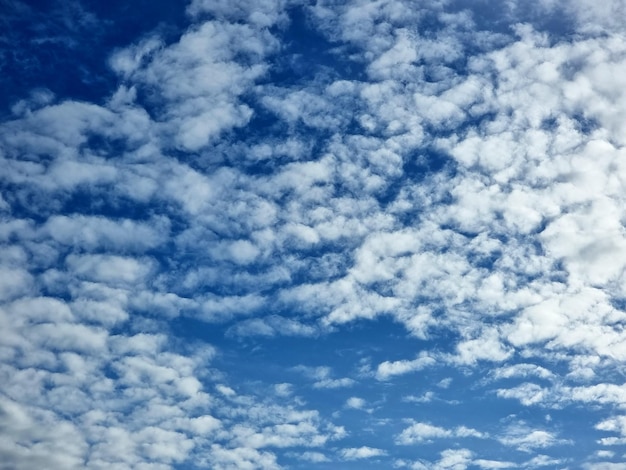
[[329, 234]]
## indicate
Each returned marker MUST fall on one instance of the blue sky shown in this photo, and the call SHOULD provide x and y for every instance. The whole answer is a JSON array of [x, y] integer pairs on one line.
[[279, 234]]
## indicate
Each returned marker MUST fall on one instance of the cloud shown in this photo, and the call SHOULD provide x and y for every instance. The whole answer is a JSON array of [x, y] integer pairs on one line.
[[487, 346], [358, 453], [273, 325], [221, 308], [489, 464], [458, 180], [283, 389], [260, 14], [526, 440], [421, 431], [93, 233], [617, 425], [168, 414], [314, 457], [15, 283], [523, 371], [65, 445], [602, 466], [425, 432], [388, 369], [543, 461], [527, 393], [455, 459], [587, 18], [322, 377], [425, 398], [231, 459], [463, 458], [355, 403], [109, 269], [196, 110]]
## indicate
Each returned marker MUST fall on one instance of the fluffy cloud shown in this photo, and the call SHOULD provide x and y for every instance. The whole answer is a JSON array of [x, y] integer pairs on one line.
[[388, 369], [357, 453], [616, 424], [355, 403], [244, 187], [526, 439]]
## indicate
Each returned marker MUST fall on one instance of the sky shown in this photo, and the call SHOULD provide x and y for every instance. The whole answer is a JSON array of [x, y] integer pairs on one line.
[[312, 234]]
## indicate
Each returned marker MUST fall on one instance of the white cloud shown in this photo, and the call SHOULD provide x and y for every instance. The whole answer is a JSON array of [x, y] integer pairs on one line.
[[445, 383], [222, 458], [198, 109], [283, 389], [425, 432], [543, 461], [527, 440], [605, 454], [315, 457], [523, 371], [45, 440], [92, 233], [334, 383], [527, 393], [596, 18], [115, 270], [221, 308], [87, 379], [355, 403], [225, 390], [68, 336], [492, 464], [603, 466], [322, 377], [387, 369], [261, 14], [488, 346], [617, 425], [425, 398], [15, 282], [454, 459], [602, 393], [357, 453], [513, 251], [419, 432]]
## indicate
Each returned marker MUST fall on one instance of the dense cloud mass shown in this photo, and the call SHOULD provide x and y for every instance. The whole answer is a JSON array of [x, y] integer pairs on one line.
[[332, 234]]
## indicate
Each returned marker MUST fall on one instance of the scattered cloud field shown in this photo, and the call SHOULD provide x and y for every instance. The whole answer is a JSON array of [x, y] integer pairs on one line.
[[281, 234]]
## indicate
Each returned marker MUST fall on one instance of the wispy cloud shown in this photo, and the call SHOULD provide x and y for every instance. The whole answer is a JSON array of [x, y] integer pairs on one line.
[[424, 432]]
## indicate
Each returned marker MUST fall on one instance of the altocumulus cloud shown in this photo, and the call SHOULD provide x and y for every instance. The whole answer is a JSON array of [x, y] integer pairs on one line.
[[232, 227]]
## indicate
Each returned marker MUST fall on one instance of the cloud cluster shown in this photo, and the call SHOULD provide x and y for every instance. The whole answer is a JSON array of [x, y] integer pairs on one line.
[[466, 184]]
